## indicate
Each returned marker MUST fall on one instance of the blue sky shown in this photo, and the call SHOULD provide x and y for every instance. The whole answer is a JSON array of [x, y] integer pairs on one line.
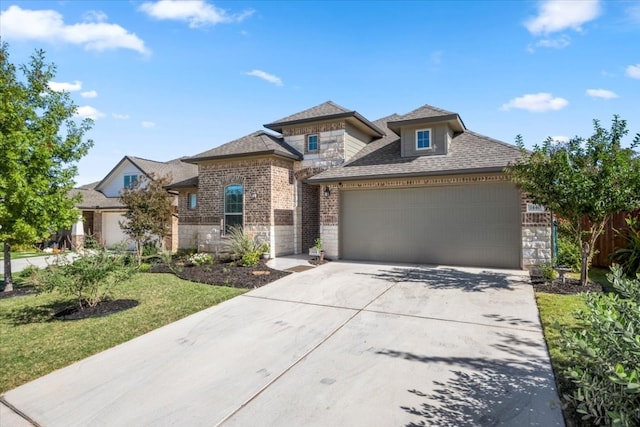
[[173, 78]]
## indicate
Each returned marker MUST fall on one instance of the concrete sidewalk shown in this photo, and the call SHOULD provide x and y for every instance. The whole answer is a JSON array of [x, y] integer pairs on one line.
[[20, 264], [341, 344]]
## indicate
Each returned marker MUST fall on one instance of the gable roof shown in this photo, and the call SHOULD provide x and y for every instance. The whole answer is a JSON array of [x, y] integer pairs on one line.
[[177, 168], [427, 114], [93, 198], [469, 152], [258, 142], [326, 111]]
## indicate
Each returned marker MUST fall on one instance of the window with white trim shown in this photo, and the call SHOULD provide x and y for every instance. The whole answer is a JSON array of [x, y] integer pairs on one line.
[[423, 139], [130, 181], [192, 200], [312, 143]]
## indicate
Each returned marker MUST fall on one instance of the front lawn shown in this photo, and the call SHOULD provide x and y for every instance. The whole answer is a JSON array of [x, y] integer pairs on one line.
[[557, 314], [34, 345]]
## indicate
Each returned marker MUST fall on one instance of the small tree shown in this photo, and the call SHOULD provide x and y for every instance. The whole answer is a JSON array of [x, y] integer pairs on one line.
[[40, 144], [149, 208], [583, 181]]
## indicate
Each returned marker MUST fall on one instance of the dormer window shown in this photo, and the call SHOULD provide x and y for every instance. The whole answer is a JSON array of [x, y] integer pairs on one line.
[[423, 139], [312, 143], [130, 181]]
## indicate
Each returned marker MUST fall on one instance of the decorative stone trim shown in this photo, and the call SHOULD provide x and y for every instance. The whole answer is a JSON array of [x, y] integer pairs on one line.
[[427, 181]]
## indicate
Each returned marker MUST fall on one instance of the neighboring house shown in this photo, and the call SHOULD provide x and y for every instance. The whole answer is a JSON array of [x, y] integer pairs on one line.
[[101, 208], [417, 188]]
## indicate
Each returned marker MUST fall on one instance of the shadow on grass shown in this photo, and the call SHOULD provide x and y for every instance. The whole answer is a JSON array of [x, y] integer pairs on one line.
[[448, 278], [513, 390], [34, 313]]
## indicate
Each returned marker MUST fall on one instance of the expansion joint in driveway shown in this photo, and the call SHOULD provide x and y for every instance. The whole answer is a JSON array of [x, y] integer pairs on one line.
[[18, 412], [311, 350]]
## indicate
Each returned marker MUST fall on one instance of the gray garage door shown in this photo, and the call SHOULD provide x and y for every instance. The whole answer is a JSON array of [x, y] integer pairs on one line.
[[474, 225]]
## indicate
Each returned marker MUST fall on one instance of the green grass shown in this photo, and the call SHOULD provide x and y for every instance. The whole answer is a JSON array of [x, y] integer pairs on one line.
[[34, 345], [23, 254], [557, 314], [598, 275]]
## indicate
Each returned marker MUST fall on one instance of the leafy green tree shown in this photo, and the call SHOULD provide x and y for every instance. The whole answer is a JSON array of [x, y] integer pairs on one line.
[[40, 143], [584, 181], [149, 209]]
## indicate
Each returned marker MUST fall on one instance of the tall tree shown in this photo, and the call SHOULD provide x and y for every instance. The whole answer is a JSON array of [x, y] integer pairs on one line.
[[583, 181], [40, 143], [149, 209]]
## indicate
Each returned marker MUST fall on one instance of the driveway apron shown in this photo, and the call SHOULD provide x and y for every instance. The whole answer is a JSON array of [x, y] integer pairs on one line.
[[342, 344]]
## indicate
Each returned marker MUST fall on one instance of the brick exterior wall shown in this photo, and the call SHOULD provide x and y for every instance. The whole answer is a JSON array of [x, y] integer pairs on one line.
[[268, 185], [536, 227]]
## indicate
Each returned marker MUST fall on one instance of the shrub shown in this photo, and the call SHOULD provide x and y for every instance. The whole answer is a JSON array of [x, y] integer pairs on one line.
[[150, 248], [200, 259], [144, 267], [90, 278], [568, 254], [629, 256], [547, 272], [605, 356], [245, 247]]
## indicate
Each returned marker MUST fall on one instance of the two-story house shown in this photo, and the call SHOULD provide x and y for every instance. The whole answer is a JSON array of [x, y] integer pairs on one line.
[[417, 188], [102, 210]]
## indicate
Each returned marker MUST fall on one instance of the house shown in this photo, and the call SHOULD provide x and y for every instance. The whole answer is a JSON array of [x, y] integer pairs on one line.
[[416, 188], [101, 208]]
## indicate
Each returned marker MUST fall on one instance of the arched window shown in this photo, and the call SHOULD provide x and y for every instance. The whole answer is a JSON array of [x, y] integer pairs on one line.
[[233, 206]]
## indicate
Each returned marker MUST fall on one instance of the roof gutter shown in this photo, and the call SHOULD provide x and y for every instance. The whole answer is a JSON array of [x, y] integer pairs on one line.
[[196, 160]]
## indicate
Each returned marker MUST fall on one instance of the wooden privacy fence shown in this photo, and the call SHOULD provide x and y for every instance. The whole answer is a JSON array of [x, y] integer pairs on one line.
[[609, 240]]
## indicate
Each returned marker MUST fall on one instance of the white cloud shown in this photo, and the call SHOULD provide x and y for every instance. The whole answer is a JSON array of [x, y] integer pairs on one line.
[[65, 86], [536, 102], [601, 93], [89, 94], [557, 43], [633, 71], [90, 112], [197, 13], [147, 125], [560, 15], [120, 116], [49, 26], [266, 76], [94, 16]]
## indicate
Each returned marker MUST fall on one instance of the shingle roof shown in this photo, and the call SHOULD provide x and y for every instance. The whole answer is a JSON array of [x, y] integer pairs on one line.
[[328, 108], [426, 114], [179, 171], [469, 152], [177, 168], [258, 142], [92, 198], [325, 111]]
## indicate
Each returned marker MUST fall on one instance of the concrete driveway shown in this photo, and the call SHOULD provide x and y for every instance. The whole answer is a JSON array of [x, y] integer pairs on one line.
[[345, 344]]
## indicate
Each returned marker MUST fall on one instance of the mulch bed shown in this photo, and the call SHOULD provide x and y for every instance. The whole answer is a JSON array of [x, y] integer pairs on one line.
[[569, 287], [103, 308], [224, 274]]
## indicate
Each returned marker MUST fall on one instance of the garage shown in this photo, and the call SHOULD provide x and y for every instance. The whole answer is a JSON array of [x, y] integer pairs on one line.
[[473, 225], [111, 231]]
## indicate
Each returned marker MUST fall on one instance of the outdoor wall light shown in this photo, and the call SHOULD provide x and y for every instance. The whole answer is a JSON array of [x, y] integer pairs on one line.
[[327, 191]]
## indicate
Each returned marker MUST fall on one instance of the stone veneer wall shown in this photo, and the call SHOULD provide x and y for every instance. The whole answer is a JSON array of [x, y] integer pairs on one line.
[[537, 239], [536, 227]]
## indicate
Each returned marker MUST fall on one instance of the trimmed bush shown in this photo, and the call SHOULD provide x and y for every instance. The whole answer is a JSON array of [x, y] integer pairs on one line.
[[604, 356]]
